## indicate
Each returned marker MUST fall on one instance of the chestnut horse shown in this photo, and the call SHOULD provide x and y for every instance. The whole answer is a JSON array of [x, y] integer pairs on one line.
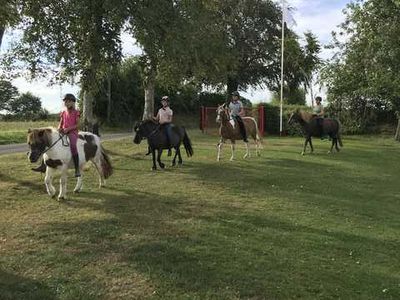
[[310, 128], [229, 130]]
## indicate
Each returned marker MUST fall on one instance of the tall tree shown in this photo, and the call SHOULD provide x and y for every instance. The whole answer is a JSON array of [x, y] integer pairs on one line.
[[366, 69], [82, 37], [9, 15]]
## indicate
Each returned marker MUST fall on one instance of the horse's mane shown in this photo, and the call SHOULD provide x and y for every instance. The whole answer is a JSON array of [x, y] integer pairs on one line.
[[305, 115]]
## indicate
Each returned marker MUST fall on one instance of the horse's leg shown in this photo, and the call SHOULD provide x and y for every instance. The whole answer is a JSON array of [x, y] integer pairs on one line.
[[311, 145], [233, 150], [247, 154], [179, 157], [219, 146], [63, 182], [333, 143], [48, 181], [153, 155], [336, 144], [159, 152], [305, 146], [176, 154]]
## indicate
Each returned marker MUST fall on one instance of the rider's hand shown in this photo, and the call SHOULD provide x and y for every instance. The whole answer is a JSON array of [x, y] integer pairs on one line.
[[61, 130]]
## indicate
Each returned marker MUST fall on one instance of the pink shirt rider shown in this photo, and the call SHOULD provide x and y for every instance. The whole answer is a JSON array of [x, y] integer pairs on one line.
[[69, 118]]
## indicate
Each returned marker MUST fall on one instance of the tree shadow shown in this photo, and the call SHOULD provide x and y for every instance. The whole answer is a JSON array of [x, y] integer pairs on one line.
[[17, 287]]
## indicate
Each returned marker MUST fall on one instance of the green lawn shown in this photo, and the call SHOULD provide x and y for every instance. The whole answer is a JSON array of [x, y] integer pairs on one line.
[[279, 226]]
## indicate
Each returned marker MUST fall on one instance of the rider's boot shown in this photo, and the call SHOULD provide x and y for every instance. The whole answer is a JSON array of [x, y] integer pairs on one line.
[[41, 168], [75, 158]]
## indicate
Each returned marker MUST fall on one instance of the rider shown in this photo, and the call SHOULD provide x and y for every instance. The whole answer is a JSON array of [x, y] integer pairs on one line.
[[164, 118], [318, 114], [69, 120], [237, 112]]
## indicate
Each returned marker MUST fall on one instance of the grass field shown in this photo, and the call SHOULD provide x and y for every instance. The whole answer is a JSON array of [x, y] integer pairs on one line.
[[279, 226]]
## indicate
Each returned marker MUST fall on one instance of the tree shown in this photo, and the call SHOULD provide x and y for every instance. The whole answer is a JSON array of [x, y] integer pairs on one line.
[[25, 106], [8, 16], [365, 73], [82, 37], [8, 93]]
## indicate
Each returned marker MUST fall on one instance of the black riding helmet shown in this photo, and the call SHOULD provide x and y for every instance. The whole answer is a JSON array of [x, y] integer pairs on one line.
[[69, 97], [235, 93]]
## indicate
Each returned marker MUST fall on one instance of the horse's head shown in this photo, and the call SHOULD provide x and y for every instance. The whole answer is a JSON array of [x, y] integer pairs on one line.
[[222, 113], [142, 130], [38, 140], [294, 117]]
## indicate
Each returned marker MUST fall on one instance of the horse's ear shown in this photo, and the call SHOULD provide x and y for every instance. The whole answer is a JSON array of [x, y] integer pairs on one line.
[[29, 130]]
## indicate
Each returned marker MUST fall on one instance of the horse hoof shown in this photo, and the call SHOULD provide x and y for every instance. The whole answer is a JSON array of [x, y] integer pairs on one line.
[[61, 198], [302, 153], [329, 152], [162, 166]]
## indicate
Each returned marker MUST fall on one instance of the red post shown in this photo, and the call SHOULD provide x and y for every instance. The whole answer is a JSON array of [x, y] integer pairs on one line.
[[261, 119]]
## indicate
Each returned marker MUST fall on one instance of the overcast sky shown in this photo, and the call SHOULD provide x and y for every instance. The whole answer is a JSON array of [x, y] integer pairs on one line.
[[319, 16]]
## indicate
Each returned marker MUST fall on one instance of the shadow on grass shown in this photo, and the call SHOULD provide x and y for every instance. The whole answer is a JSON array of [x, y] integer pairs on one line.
[[223, 252], [17, 287]]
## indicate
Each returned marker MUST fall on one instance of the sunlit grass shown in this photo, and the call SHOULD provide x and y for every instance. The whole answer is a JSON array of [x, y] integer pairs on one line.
[[275, 227]]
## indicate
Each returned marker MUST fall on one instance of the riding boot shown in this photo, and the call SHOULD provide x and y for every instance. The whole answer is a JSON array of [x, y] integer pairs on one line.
[[41, 168], [75, 158]]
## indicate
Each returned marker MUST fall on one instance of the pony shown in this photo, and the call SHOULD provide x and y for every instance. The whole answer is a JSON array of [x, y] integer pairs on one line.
[[56, 152], [157, 140], [310, 129], [229, 130]]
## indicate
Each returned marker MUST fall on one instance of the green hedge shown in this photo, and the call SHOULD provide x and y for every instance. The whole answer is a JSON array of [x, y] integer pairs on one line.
[[272, 117]]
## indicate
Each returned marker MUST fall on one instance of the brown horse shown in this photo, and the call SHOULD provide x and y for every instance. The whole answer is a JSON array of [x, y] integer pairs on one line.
[[310, 128], [229, 130]]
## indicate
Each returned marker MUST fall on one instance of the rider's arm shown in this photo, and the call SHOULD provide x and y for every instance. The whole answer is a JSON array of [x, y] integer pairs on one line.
[[60, 125]]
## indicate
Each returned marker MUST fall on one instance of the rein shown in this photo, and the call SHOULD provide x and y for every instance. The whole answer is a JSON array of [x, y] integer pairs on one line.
[[64, 143]]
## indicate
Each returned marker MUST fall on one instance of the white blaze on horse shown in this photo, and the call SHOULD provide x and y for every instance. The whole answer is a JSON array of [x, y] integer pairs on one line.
[[229, 130], [57, 156]]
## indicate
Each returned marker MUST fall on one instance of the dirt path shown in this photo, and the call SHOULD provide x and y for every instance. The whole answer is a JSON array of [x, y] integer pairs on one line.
[[17, 148]]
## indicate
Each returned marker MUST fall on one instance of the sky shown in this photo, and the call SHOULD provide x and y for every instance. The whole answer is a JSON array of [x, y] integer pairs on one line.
[[319, 16]]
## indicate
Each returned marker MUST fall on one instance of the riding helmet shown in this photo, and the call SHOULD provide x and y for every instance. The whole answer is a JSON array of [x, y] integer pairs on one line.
[[69, 97], [235, 93], [165, 98]]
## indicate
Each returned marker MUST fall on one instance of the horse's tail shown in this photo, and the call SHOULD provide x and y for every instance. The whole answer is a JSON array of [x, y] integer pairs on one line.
[[339, 136], [187, 143], [258, 139], [106, 167]]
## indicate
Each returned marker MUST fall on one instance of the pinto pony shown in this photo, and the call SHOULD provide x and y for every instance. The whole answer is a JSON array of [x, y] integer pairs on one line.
[[57, 156], [310, 128], [229, 130]]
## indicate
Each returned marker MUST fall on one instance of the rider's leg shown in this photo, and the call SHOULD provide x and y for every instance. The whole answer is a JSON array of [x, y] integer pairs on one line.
[[73, 139], [168, 133], [41, 168], [242, 129]]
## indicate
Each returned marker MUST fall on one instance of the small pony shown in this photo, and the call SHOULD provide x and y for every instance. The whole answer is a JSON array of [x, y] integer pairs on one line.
[[158, 141], [310, 128], [229, 130], [57, 156]]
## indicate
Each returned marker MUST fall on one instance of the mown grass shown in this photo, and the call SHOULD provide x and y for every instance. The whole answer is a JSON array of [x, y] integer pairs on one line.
[[280, 226]]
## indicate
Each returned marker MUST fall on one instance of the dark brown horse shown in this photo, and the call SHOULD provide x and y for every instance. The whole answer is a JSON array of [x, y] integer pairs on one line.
[[308, 122]]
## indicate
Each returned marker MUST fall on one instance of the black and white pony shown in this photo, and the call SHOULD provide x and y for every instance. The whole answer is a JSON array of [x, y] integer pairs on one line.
[[56, 152]]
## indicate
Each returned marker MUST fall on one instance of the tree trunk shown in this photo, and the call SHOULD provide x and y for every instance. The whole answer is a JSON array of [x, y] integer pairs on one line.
[[2, 29], [397, 135], [149, 87], [232, 85], [87, 113], [109, 105]]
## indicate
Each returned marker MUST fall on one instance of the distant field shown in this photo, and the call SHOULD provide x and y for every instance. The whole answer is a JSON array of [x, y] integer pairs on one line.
[[15, 132], [279, 226]]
